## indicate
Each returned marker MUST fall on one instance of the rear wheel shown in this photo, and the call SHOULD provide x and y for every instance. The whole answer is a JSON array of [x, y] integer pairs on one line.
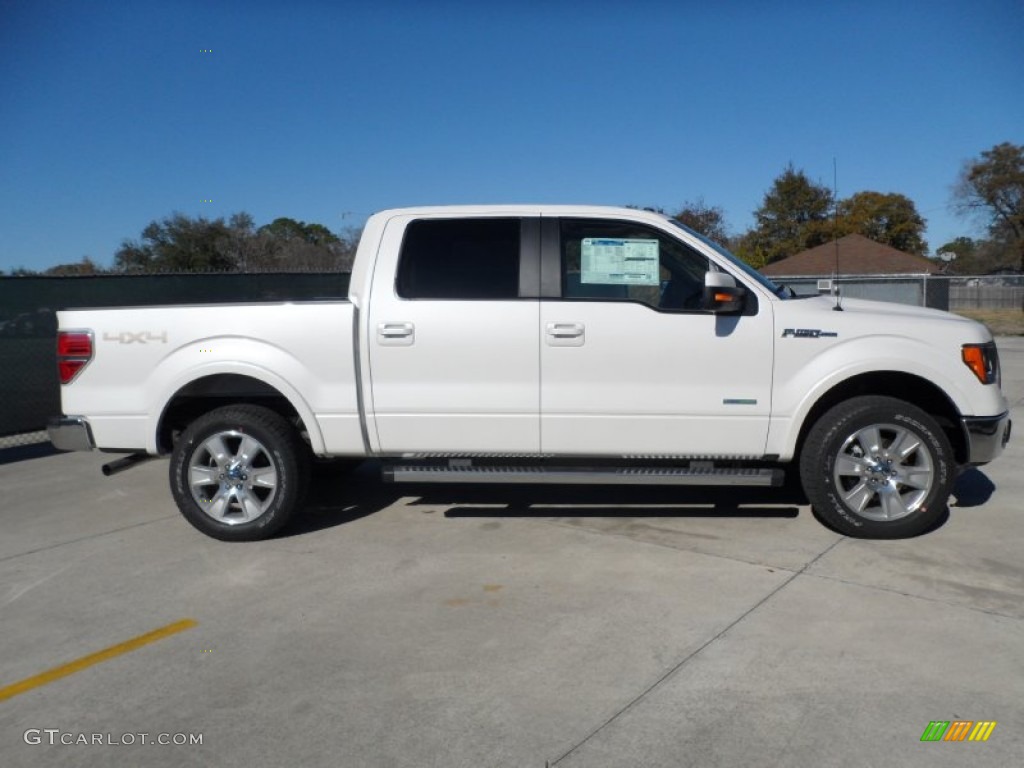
[[878, 467], [239, 473]]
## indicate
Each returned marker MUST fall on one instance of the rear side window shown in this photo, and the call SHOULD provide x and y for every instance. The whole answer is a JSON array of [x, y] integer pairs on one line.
[[460, 259]]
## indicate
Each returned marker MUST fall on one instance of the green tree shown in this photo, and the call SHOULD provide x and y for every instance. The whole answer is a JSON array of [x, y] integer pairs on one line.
[[797, 214], [885, 218], [291, 244], [975, 257], [241, 244], [181, 243], [708, 220], [85, 267], [788, 220], [959, 248], [178, 243], [992, 187], [290, 229]]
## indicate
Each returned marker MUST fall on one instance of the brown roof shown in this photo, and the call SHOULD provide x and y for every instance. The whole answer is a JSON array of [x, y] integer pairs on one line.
[[858, 255]]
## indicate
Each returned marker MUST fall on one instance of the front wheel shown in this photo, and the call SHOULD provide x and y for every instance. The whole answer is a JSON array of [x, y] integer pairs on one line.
[[877, 467], [239, 473]]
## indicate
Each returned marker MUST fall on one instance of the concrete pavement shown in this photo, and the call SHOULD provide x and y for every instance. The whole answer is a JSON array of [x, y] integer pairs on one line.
[[458, 626]]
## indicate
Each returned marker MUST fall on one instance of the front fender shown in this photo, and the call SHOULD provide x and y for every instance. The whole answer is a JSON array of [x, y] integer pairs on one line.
[[800, 384]]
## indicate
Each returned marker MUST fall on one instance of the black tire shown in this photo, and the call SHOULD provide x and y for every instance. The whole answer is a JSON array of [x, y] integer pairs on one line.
[[878, 468], [256, 467]]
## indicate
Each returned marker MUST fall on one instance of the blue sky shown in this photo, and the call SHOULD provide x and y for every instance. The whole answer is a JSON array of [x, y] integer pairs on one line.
[[112, 114]]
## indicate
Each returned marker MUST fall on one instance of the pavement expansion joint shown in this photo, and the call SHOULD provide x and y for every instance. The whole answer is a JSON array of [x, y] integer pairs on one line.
[[901, 593], [99, 535], [617, 535], [696, 652]]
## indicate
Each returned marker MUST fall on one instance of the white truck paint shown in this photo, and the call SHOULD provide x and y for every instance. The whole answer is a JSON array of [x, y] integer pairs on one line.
[[713, 374]]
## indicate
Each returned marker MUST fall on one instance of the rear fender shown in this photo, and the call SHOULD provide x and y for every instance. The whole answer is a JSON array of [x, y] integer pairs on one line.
[[276, 368]]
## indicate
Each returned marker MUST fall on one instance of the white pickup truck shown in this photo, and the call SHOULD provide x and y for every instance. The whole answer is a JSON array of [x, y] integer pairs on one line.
[[533, 344]]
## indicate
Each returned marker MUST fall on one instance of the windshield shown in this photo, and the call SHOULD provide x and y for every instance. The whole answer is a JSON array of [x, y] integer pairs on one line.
[[781, 291]]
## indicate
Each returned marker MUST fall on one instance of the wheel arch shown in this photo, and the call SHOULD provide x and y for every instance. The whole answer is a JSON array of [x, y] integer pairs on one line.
[[206, 393], [927, 396]]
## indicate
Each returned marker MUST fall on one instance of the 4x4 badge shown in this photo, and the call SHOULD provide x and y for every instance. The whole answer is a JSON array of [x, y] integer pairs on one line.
[[127, 337]]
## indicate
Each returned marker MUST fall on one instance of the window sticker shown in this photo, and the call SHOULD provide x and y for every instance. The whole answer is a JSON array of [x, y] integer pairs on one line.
[[614, 261]]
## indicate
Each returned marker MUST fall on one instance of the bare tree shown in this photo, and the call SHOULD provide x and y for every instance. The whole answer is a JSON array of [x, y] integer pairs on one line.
[[992, 188]]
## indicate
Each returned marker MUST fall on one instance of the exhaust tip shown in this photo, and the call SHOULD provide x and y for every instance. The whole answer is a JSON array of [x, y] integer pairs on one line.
[[120, 465]]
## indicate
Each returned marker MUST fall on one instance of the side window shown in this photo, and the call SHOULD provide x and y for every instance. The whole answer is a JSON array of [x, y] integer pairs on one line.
[[605, 259], [460, 259]]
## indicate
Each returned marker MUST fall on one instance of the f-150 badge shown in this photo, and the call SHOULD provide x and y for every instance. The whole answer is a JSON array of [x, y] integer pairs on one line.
[[807, 333]]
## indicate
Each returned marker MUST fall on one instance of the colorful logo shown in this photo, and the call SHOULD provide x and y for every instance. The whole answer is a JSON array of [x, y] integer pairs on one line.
[[958, 730]]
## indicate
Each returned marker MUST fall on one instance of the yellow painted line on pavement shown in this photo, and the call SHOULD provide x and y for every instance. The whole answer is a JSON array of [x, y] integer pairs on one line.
[[50, 675]]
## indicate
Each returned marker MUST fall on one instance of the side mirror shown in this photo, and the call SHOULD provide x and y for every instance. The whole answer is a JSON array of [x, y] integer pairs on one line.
[[721, 294]]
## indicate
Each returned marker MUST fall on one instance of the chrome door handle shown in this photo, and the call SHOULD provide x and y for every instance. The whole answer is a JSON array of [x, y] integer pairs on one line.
[[565, 334], [396, 334], [565, 330]]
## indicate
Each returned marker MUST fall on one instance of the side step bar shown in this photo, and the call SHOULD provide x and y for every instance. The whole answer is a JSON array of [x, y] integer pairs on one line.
[[399, 473]]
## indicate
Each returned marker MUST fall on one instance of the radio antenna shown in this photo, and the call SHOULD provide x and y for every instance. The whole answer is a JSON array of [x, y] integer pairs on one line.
[[835, 234]]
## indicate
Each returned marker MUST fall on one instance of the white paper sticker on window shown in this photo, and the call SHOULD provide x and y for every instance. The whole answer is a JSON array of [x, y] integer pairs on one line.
[[613, 261]]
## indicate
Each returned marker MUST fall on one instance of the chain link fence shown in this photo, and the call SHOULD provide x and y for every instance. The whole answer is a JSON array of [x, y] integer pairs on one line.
[[24, 438], [990, 293], [948, 292], [29, 388]]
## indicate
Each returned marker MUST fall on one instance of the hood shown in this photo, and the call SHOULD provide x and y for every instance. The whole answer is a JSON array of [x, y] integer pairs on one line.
[[861, 317], [886, 309]]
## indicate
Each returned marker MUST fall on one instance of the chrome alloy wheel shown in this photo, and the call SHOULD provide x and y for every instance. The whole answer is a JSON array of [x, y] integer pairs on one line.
[[883, 472], [232, 477]]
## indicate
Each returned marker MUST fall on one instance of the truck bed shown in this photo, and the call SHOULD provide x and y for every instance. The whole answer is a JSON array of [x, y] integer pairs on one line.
[[145, 355]]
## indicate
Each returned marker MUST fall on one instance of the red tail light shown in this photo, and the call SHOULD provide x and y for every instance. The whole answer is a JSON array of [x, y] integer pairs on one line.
[[74, 351]]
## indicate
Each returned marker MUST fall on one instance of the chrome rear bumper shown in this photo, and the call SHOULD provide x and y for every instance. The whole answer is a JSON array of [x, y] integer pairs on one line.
[[70, 433]]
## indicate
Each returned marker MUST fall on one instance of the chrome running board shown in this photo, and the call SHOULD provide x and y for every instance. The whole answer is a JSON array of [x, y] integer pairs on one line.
[[700, 475]]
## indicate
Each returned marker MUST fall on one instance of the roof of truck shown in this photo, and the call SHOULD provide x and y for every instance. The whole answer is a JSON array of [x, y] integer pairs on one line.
[[522, 209]]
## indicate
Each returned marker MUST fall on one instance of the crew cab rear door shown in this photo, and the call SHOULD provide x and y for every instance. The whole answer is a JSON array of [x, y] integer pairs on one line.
[[631, 365], [452, 336]]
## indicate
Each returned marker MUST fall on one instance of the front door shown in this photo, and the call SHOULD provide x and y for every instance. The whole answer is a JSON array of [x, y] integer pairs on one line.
[[632, 366]]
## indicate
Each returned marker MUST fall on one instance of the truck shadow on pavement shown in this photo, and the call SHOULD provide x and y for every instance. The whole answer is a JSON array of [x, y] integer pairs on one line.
[[972, 488], [610, 501], [16, 453], [338, 498], [348, 494]]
